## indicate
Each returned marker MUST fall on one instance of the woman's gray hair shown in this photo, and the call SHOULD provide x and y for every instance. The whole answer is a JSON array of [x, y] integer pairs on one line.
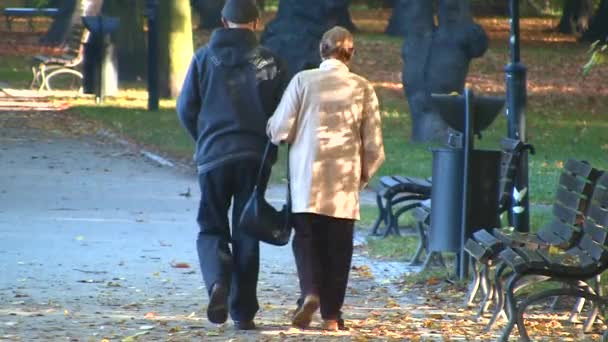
[[337, 43]]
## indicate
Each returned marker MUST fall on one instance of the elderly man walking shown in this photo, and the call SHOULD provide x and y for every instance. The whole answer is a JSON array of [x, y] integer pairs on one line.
[[232, 87]]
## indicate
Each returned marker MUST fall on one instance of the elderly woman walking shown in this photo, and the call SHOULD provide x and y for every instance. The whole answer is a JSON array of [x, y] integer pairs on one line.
[[329, 116]]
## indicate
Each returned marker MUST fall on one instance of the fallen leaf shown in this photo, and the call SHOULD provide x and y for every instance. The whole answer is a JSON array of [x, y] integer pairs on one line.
[[433, 281], [180, 265]]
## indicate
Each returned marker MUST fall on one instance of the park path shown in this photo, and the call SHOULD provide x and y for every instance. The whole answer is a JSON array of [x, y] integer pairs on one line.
[[99, 242]]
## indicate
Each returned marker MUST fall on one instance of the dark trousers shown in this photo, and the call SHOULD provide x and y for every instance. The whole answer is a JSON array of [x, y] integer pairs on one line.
[[323, 249], [237, 267]]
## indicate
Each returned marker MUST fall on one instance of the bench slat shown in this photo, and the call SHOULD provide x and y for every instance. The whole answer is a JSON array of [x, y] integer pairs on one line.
[[578, 168], [572, 183], [565, 214]]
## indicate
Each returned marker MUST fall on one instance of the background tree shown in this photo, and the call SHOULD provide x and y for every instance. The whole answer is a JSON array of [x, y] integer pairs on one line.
[[69, 14], [210, 13], [340, 15], [576, 16], [598, 29], [175, 45], [129, 39], [295, 32], [436, 59]]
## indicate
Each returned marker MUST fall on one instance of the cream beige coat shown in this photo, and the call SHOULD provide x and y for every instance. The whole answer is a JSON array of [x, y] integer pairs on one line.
[[330, 117]]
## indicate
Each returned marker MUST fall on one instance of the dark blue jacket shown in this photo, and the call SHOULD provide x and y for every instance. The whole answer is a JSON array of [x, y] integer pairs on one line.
[[232, 87]]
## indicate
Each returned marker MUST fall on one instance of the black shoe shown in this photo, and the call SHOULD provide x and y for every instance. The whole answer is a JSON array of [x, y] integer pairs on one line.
[[217, 310], [244, 325], [303, 315], [341, 325]]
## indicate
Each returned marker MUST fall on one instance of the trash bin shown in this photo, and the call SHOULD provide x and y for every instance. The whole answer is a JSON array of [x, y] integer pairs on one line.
[[446, 200], [100, 76], [445, 231]]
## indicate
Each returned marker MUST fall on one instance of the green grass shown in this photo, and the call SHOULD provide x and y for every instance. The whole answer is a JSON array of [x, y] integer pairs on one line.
[[159, 130], [403, 247], [16, 70], [558, 136]]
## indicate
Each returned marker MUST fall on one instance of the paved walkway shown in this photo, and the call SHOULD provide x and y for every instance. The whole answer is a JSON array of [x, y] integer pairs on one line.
[[99, 242]]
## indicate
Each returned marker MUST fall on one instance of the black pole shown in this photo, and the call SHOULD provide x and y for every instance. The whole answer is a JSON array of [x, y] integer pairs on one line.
[[462, 265], [516, 121], [152, 13], [99, 94]]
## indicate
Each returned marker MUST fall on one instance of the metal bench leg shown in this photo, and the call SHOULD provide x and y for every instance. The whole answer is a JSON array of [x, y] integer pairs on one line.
[[488, 297], [60, 71], [576, 310], [595, 311], [43, 81], [474, 285], [422, 243], [499, 297], [392, 224], [512, 312], [381, 216], [36, 76]]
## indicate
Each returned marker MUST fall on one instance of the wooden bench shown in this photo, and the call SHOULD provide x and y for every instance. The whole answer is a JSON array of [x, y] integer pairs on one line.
[[577, 268], [10, 13], [574, 190], [47, 66], [393, 191]]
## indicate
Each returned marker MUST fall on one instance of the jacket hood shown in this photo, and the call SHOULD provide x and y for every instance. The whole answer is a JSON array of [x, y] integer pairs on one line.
[[232, 46]]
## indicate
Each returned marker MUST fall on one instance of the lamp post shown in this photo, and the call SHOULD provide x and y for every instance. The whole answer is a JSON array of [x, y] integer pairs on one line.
[[152, 15], [516, 122]]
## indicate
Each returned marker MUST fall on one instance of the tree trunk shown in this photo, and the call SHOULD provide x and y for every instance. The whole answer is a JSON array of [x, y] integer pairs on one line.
[[69, 14], [576, 15], [295, 32], [436, 59], [598, 30], [175, 46], [397, 23], [340, 16], [129, 39], [210, 13]]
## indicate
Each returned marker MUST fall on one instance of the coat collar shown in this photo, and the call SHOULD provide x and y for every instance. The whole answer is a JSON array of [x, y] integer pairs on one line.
[[333, 64]]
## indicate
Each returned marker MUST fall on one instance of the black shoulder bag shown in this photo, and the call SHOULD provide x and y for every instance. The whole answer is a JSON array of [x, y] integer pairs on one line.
[[261, 220]]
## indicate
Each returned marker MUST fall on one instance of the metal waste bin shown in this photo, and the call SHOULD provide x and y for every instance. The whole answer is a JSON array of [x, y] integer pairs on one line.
[[100, 75], [445, 231]]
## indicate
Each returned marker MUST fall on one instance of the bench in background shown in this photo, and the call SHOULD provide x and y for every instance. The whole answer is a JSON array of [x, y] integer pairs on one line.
[[10, 13]]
